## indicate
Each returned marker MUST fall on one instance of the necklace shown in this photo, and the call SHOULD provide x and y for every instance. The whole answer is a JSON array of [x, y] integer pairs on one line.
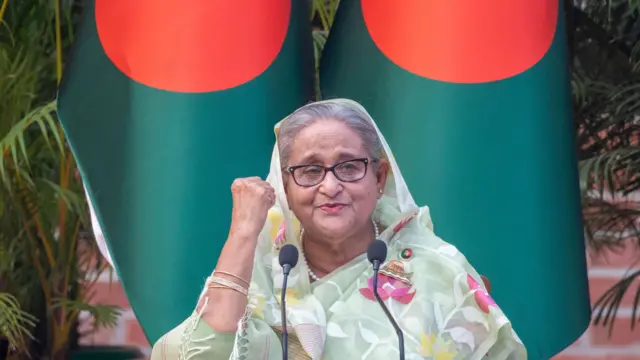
[[304, 256]]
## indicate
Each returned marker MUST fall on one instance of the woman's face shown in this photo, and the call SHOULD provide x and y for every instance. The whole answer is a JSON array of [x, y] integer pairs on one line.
[[333, 209]]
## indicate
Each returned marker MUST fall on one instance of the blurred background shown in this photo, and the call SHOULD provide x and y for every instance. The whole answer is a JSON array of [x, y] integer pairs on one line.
[[59, 299]]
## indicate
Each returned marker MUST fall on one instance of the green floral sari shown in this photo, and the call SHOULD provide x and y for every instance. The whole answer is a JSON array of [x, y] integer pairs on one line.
[[436, 296]]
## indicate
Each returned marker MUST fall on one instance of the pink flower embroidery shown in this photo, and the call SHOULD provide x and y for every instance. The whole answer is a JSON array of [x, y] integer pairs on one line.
[[483, 299], [389, 287], [280, 238]]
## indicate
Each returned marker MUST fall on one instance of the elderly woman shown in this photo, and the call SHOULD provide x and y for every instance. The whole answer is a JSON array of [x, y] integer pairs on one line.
[[334, 186]]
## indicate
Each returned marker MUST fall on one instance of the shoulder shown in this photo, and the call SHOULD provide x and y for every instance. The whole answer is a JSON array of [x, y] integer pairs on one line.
[[428, 256], [415, 232], [447, 287]]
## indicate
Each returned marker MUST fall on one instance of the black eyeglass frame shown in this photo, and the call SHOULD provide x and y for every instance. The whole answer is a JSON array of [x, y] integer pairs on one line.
[[332, 169]]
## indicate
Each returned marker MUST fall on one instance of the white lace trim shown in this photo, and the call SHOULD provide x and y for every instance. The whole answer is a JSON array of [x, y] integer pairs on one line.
[[240, 350]]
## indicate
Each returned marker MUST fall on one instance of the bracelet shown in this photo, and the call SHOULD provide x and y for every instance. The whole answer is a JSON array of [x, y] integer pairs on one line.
[[224, 287], [226, 284], [232, 275]]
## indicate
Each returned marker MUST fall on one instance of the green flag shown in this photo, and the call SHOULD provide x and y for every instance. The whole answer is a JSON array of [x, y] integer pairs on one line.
[[474, 99], [163, 107]]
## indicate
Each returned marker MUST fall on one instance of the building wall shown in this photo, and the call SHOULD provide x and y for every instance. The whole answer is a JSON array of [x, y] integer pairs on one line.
[[595, 343], [604, 271], [108, 291]]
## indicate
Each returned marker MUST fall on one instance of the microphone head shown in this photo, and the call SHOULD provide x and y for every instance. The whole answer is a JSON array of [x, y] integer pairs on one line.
[[377, 251], [288, 255]]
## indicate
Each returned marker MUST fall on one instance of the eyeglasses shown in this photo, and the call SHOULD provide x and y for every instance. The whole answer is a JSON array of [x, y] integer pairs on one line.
[[346, 171]]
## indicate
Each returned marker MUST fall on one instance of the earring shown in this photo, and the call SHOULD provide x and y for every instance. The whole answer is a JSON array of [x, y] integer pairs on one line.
[[380, 191]]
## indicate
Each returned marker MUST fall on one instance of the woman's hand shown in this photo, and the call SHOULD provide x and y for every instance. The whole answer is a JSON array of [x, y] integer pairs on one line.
[[252, 199]]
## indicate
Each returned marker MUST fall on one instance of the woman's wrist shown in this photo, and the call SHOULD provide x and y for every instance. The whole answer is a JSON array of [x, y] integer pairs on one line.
[[244, 233], [242, 239], [238, 253]]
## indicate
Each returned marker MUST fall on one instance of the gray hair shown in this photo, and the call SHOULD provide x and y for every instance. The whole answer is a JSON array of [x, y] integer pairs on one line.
[[352, 116]]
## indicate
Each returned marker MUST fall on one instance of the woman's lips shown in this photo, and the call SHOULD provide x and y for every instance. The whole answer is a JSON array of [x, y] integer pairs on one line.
[[332, 208]]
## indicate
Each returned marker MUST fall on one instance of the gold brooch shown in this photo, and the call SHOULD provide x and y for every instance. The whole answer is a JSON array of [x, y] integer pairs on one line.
[[395, 269]]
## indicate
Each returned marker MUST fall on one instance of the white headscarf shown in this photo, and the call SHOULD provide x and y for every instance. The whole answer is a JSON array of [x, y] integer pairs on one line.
[[396, 191]]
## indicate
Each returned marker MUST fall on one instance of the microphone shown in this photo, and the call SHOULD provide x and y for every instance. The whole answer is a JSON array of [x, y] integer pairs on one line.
[[288, 260], [377, 254]]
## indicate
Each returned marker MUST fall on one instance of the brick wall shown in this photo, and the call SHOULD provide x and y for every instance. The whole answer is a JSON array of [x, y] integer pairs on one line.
[[108, 291], [595, 343]]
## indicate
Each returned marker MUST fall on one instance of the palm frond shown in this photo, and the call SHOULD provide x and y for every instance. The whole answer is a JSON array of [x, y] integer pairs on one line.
[[13, 146], [615, 170], [103, 315], [15, 324], [607, 306], [611, 223]]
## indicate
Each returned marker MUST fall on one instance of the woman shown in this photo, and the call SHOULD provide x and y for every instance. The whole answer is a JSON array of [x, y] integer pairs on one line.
[[334, 186]]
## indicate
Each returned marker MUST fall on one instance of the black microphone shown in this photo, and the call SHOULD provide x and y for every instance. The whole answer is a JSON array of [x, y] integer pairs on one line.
[[377, 254], [288, 260]]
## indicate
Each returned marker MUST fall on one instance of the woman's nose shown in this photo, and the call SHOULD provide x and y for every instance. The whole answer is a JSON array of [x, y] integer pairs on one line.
[[330, 186]]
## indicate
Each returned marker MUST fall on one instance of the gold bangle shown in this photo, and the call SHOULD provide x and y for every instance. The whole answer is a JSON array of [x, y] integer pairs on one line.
[[227, 283], [224, 287], [232, 275]]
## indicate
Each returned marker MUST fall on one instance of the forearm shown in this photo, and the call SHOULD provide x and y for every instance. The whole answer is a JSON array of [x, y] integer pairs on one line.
[[225, 307]]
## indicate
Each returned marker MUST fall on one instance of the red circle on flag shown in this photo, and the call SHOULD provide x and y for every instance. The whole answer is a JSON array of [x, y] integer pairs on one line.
[[462, 41], [192, 46]]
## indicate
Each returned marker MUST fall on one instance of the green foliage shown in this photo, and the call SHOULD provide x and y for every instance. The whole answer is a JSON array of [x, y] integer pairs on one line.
[[45, 262], [322, 14], [15, 323], [104, 315]]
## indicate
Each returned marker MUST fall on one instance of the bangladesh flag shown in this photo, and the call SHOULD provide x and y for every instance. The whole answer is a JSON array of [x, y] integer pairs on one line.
[[474, 98], [164, 104]]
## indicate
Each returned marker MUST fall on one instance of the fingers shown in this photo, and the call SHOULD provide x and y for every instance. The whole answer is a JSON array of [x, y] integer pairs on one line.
[[261, 184], [266, 190], [254, 185], [269, 192], [250, 181], [253, 178], [272, 199]]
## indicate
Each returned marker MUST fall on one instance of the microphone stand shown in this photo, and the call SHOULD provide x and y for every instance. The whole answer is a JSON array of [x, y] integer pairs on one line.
[[288, 259], [376, 268], [283, 307]]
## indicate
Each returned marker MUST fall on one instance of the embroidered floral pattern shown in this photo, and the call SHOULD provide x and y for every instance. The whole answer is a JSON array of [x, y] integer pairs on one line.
[[292, 297], [277, 228], [389, 287], [436, 348], [402, 223], [257, 305], [483, 299], [280, 238]]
